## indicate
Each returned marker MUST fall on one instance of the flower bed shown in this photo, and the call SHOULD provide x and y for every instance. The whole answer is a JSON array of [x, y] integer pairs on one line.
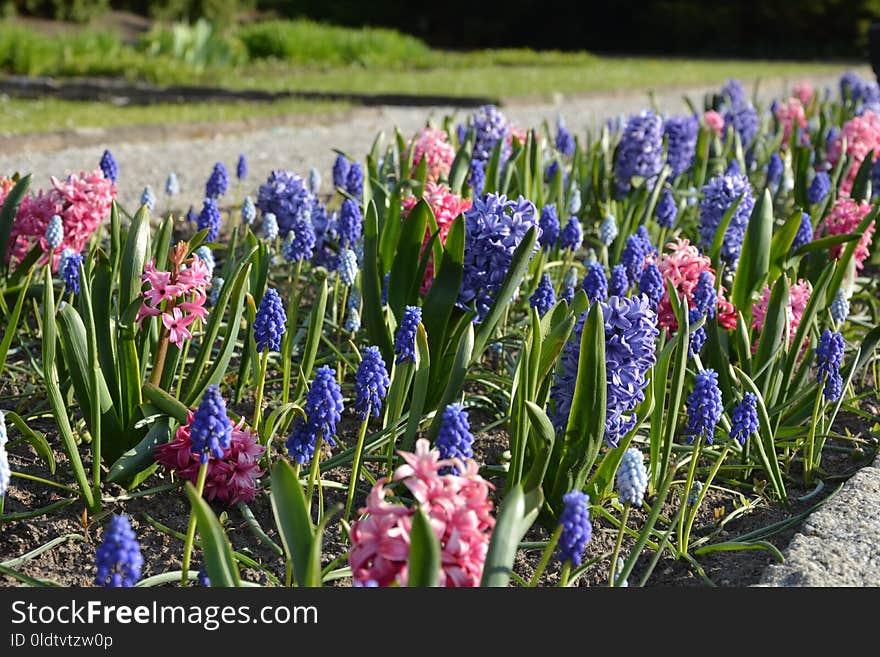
[[488, 355]]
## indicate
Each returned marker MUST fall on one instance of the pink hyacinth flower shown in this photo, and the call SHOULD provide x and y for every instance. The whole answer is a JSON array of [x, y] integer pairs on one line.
[[176, 323], [790, 114], [231, 479], [799, 295], [161, 288], [682, 264], [844, 218], [458, 508], [195, 307], [714, 122], [862, 135], [803, 91], [432, 145]]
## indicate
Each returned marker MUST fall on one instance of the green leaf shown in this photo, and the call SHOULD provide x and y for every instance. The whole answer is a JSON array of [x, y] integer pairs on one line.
[[754, 262], [406, 260], [765, 440], [775, 327], [137, 247], [518, 512], [292, 518], [11, 329], [423, 567], [503, 296], [461, 164], [166, 403], [7, 216], [313, 337], [721, 231], [421, 383], [371, 279], [220, 366], [544, 438], [780, 244], [53, 391], [140, 457], [219, 562], [822, 244], [440, 300], [458, 373], [37, 439], [861, 187]]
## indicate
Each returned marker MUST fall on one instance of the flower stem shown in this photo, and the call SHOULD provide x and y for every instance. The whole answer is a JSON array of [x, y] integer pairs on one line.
[[691, 514], [617, 544], [292, 317], [695, 456], [545, 557], [357, 464], [258, 395], [191, 528], [159, 360], [313, 471], [811, 437]]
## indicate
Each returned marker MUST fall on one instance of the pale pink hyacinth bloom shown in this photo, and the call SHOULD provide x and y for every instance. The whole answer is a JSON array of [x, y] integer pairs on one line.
[[446, 206], [799, 295], [714, 121], [681, 264], [862, 135], [177, 296], [82, 201], [459, 510], [843, 219], [519, 133], [790, 114], [432, 145], [803, 91]]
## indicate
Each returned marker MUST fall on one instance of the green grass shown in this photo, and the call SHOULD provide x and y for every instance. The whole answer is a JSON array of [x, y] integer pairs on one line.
[[19, 116], [468, 74]]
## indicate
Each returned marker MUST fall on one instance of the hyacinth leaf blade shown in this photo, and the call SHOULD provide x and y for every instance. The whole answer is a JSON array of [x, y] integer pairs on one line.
[[36, 439], [27, 580], [215, 373], [137, 248], [433, 249], [53, 390], [115, 240], [231, 292], [556, 333], [457, 374], [404, 271], [8, 214], [861, 188], [101, 293], [11, 329], [371, 280], [822, 244], [137, 463], [754, 261], [743, 344], [423, 567], [780, 245], [766, 436], [721, 231], [523, 390], [658, 377], [518, 267], [421, 385], [462, 162], [717, 353], [655, 193], [75, 349], [815, 303], [389, 224], [843, 263], [648, 529], [292, 519], [517, 514], [801, 169], [772, 337], [440, 301], [676, 386], [544, 437], [219, 561], [313, 336], [162, 243]]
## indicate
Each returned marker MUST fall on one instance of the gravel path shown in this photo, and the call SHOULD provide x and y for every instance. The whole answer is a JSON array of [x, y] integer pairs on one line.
[[839, 544], [306, 144]]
